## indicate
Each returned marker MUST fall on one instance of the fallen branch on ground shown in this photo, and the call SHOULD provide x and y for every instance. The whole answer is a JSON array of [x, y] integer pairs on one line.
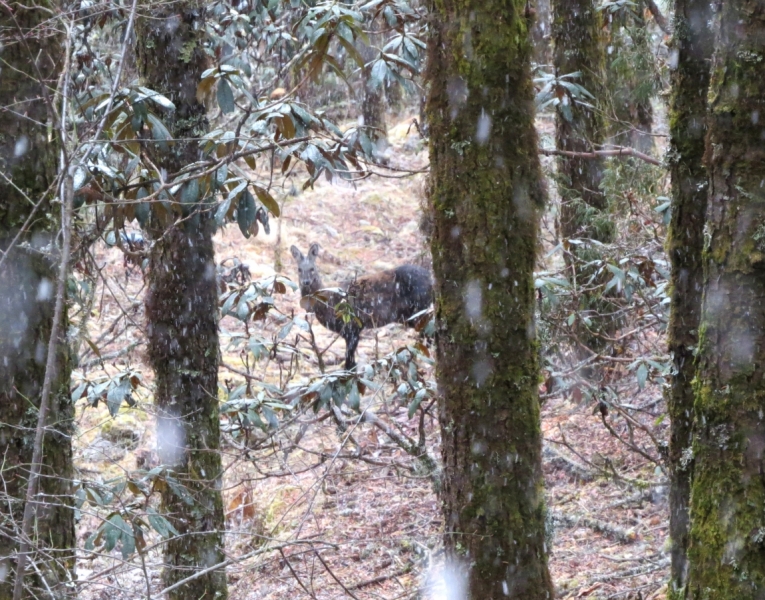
[[607, 529]]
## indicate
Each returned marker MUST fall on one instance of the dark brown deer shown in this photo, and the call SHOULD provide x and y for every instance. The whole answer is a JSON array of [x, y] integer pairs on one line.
[[391, 296]]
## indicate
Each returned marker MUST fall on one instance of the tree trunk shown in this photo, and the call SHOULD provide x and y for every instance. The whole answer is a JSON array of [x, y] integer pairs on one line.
[[27, 300], [486, 193], [580, 127], [181, 309], [693, 43], [579, 46], [373, 98], [540, 32], [726, 554], [631, 77]]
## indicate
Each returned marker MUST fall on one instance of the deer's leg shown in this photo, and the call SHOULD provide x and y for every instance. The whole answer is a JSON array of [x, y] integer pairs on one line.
[[351, 337]]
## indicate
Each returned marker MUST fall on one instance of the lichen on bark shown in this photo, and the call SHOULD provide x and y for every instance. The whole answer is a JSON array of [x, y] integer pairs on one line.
[[486, 192], [692, 47], [726, 555]]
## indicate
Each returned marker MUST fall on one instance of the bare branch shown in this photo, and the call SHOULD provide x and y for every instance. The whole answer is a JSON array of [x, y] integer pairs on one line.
[[616, 151], [660, 19]]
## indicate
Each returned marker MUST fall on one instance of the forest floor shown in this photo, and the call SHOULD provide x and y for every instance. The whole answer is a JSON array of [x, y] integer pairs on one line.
[[349, 514]]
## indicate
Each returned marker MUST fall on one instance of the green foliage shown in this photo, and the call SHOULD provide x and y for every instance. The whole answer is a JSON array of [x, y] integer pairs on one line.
[[608, 290], [284, 40], [561, 92], [636, 71], [266, 409], [127, 516], [629, 182], [112, 390]]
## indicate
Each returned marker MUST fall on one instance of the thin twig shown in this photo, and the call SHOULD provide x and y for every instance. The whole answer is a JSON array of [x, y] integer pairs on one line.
[[118, 75], [331, 574], [230, 561]]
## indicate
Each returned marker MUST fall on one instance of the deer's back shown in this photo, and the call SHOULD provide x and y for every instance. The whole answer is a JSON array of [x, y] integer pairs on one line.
[[391, 296]]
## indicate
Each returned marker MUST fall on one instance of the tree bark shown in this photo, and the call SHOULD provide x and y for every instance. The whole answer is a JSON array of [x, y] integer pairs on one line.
[[580, 128], [579, 47], [630, 73], [692, 45], [31, 56], [486, 192], [540, 32], [373, 98], [726, 553], [181, 309]]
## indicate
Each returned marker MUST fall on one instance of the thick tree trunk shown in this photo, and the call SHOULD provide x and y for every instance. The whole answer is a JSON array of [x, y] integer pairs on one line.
[[27, 300], [486, 193], [693, 43], [726, 551], [181, 308], [579, 46]]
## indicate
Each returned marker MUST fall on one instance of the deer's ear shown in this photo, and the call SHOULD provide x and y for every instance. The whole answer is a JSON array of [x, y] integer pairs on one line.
[[296, 254], [313, 251]]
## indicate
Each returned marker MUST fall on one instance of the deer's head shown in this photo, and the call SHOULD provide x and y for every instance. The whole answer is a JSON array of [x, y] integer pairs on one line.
[[308, 274]]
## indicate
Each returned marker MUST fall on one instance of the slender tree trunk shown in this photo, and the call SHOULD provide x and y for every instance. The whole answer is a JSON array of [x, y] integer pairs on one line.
[[373, 98], [580, 127], [181, 308], [579, 47], [486, 193], [692, 45], [540, 32], [31, 55], [630, 72], [394, 96], [726, 551]]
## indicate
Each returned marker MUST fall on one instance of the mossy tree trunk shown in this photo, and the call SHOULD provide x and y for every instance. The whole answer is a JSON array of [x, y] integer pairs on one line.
[[726, 552], [579, 126], [692, 45], [27, 300], [181, 308], [486, 192]]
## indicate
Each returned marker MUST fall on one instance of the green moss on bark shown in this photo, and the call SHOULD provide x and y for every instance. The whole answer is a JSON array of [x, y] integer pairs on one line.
[[726, 552], [486, 192], [183, 336], [692, 45]]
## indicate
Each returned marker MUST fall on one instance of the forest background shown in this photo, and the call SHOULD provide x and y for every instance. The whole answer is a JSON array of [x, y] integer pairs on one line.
[[582, 179]]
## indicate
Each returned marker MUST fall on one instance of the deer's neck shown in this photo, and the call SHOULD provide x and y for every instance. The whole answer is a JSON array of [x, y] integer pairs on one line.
[[323, 303]]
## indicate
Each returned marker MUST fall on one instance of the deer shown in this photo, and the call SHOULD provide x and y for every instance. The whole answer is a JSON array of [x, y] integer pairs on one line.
[[390, 296]]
